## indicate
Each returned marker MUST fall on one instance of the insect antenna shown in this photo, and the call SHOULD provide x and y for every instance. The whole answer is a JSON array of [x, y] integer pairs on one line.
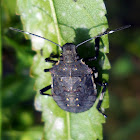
[[17, 30], [104, 33]]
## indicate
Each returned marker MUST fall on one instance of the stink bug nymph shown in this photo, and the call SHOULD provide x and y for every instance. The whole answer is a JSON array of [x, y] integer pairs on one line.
[[74, 83]]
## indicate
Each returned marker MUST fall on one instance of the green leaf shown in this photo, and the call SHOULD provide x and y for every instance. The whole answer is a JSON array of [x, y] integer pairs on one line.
[[65, 21], [33, 133]]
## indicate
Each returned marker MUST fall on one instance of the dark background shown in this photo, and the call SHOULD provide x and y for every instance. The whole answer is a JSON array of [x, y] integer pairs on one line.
[[123, 122]]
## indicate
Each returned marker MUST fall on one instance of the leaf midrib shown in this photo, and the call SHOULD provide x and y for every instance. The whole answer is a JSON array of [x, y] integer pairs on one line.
[[59, 42], [55, 21]]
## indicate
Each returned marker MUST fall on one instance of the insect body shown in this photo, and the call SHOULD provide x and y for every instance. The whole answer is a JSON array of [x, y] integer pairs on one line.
[[73, 85], [73, 82]]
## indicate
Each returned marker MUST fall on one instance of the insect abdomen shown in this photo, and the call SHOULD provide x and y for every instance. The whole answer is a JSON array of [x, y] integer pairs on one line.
[[74, 94]]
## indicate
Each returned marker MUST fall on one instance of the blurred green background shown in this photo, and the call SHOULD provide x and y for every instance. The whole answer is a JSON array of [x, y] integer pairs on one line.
[[20, 121]]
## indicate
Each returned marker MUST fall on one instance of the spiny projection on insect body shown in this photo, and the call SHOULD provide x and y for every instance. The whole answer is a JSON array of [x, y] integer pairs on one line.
[[73, 82]]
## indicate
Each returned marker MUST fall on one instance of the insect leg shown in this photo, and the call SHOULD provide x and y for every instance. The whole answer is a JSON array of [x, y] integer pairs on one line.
[[52, 61], [45, 89], [104, 85], [46, 70], [52, 56], [97, 40], [49, 60], [95, 72]]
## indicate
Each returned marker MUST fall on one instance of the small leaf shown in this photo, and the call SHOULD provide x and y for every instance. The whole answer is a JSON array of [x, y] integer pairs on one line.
[[65, 21]]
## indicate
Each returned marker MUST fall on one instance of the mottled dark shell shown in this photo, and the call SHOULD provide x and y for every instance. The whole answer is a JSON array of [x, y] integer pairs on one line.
[[73, 87]]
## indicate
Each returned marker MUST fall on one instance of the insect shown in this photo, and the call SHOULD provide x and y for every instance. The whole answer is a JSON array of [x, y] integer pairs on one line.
[[73, 82]]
